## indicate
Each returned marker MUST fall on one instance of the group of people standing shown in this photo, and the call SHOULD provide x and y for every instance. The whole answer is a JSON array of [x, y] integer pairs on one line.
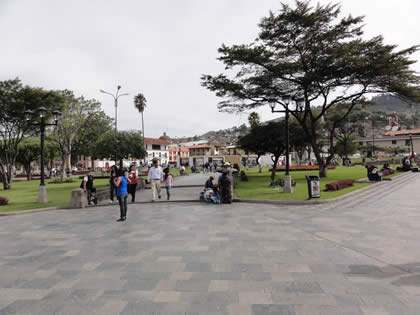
[[224, 186], [156, 176]]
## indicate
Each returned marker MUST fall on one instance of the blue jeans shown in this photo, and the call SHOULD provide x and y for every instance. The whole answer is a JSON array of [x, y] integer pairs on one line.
[[123, 205], [112, 191]]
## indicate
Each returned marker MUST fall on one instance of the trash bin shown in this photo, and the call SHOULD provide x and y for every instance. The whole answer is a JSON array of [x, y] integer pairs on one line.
[[314, 186]]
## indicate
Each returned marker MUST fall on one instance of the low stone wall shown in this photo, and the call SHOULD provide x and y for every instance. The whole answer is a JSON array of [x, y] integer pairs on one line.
[[79, 198]]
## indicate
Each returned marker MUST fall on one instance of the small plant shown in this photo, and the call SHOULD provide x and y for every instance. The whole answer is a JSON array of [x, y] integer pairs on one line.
[[59, 181], [3, 201]]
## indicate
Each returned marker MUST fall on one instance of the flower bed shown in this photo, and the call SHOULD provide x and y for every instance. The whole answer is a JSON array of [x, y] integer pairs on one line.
[[303, 168]]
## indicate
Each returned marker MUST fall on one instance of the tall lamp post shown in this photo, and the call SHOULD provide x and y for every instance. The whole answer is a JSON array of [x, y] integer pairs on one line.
[[116, 96], [30, 117], [372, 119], [300, 103], [179, 155]]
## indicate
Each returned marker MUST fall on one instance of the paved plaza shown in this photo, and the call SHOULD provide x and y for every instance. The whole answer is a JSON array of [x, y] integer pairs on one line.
[[358, 256]]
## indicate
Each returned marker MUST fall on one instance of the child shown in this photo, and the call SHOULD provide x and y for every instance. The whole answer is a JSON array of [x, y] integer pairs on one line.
[[168, 181]]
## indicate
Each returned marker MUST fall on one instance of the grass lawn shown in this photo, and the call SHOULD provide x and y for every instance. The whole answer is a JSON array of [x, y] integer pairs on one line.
[[24, 194], [257, 186]]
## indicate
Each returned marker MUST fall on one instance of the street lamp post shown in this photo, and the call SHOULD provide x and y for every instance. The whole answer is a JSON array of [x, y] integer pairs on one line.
[[300, 103], [115, 97], [179, 155], [30, 115]]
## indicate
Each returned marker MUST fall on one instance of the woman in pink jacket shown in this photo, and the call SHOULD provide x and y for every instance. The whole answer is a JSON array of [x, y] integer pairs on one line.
[[168, 179]]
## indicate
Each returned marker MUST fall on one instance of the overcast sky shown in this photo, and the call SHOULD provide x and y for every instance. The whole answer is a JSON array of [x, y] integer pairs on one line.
[[158, 48]]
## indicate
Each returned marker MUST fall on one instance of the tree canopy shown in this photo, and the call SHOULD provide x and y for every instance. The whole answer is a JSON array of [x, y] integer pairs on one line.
[[120, 145], [15, 99], [309, 52]]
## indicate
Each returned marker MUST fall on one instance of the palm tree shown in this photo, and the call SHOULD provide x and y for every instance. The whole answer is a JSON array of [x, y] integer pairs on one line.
[[140, 104]]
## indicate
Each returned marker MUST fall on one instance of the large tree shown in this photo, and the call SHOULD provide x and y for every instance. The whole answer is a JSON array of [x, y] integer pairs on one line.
[[120, 145], [73, 124], [15, 99], [29, 151], [97, 124], [309, 52], [270, 138]]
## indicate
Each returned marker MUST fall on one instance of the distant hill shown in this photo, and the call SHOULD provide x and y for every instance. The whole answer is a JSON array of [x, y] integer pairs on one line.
[[390, 103]]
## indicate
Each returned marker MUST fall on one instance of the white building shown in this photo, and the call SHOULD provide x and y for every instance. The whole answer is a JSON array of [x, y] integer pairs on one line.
[[156, 149]]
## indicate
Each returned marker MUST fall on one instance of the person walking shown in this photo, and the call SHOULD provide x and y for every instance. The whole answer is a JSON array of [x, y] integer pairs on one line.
[[121, 183], [113, 189], [168, 179], [132, 182], [155, 177]]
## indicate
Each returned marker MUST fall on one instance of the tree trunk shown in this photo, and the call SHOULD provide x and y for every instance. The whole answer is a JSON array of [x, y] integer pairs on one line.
[[5, 180], [274, 168], [142, 126], [28, 172], [8, 178]]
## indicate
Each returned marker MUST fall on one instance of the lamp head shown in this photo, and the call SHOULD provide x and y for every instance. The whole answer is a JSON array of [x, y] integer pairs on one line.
[[118, 87], [300, 102], [57, 115], [28, 114], [286, 99], [272, 104], [42, 111]]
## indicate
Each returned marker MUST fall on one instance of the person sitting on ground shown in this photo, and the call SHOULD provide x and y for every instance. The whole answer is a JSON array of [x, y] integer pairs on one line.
[[209, 182], [87, 186], [373, 173], [182, 170], [406, 164], [244, 177]]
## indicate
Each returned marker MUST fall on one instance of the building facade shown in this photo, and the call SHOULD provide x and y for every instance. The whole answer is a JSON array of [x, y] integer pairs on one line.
[[156, 149]]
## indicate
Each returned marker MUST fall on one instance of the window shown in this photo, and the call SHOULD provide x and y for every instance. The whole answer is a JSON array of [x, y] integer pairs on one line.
[[394, 141], [156, 147], [407, 142], [360, 143]]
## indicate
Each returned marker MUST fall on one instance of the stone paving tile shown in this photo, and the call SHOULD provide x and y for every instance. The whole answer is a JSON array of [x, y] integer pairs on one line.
[[359, 257]]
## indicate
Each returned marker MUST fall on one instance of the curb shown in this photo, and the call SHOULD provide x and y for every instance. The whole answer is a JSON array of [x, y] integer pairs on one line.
[[320, 201], [4, 214]]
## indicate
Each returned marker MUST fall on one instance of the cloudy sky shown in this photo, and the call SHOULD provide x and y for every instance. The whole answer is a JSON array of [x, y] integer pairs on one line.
[[158, 48]]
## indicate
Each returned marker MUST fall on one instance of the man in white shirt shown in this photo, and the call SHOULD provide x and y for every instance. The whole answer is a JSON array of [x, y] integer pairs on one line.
[[155, 177]]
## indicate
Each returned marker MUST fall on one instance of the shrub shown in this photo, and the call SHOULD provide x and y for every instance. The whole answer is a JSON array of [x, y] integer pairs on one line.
[[3, 201], [341, 184], [59, 181]]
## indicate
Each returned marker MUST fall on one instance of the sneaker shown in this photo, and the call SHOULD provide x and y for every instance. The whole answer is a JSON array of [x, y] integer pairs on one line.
[[159, 197], [111, 201], [120, 220]]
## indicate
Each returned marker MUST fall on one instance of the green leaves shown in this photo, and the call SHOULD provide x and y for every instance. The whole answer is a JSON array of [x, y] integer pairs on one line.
[[120, 145]]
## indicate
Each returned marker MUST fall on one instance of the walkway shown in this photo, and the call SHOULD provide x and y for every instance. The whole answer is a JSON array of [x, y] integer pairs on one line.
[[190, 258]]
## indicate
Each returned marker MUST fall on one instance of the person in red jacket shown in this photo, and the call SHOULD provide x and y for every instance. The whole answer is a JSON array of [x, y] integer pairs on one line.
[[132, 182]]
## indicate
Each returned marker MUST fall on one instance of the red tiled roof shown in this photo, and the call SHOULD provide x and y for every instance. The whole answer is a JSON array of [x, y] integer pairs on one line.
[[402, 132], [175, 149], [155, 141]]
